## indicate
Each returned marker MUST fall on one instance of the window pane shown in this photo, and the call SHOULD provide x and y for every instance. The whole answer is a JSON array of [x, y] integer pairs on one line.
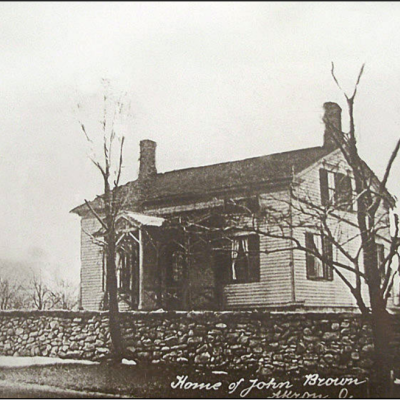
[[316, 268], [242, 262], [380, 257], [254, 258], [323, 178], [222, 261], [310, 259], [328, 254], [331, 180], [343, 193], [177, 266]]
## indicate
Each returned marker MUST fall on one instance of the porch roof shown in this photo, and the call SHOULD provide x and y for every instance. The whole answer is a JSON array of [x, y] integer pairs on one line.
[[139, 220]]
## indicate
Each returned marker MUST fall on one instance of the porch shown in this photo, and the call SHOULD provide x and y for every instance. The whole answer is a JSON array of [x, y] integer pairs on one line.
[[163, 264]]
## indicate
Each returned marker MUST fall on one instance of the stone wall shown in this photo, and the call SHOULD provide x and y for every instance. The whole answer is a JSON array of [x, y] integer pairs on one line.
[[267, 342], [54, 334]]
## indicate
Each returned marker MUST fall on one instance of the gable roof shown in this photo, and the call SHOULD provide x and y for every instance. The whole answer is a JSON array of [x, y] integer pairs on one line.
[[242, 174], [232, 175]]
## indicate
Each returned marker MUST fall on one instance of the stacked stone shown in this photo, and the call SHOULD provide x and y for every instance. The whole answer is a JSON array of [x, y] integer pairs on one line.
[[54, 335], [289, 343]]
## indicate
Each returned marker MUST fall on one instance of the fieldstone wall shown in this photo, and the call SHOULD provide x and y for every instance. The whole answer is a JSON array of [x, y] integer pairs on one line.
[[54, 334], [266, 342]]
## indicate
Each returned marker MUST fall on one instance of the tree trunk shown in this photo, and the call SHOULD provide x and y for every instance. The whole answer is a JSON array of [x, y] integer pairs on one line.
[[382, 332], [113, 311], [111, 280], [379, 317]]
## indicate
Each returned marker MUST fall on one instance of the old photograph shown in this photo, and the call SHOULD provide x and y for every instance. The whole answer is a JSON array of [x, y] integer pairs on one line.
[[200, 200]]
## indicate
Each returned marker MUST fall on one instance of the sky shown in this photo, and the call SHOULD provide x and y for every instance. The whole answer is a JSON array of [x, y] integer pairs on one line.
[[209, 82]]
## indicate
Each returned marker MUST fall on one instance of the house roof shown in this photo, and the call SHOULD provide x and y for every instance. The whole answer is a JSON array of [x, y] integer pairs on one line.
[[223, 176], [231, 175]]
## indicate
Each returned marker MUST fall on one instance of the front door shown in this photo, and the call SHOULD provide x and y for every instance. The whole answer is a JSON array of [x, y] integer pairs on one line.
[[175, 277]]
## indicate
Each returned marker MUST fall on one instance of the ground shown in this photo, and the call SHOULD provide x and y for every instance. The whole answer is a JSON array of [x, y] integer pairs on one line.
[[11, 390], [151, 381]]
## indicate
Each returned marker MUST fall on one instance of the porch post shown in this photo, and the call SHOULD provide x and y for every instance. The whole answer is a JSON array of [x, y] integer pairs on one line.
[[141, 288]]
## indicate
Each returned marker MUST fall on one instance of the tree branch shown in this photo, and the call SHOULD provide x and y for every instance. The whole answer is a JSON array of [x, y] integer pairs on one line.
[[96, 215]]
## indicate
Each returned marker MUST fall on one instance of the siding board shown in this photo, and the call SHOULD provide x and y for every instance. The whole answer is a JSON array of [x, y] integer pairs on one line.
[[91, 267]]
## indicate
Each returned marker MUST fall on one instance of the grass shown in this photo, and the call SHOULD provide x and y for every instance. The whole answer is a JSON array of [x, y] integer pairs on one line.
[[154, 381]]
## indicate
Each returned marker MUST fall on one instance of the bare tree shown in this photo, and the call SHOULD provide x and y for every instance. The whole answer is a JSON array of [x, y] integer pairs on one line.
[[12, 294], [107, 206], [6, 294], [63, 295], [39, 292], [353, 222], [378, 274]]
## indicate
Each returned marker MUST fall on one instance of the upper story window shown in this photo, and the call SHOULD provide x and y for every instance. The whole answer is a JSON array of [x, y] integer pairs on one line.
[[336, 190], [245, 205], [316, 268]]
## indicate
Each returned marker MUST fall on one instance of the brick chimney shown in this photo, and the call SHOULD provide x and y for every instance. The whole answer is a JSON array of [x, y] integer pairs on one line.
[[333, 125], [147, 161]]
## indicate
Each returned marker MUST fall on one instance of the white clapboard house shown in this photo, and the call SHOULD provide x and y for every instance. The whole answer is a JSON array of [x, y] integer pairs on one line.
[[198, 238]]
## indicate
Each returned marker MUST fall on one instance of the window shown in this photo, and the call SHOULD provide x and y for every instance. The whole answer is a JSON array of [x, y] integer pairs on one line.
[[331, 186], [176, 267], [243, 205], [380, 257], [316, 269], [175, 281], [336, 189], [237, 260]]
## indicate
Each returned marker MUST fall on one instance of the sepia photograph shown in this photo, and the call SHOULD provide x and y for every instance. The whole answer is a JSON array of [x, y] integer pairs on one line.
[[200, 200]]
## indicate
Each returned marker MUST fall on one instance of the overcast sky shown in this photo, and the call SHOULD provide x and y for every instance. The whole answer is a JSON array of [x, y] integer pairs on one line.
[[209, 82]]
